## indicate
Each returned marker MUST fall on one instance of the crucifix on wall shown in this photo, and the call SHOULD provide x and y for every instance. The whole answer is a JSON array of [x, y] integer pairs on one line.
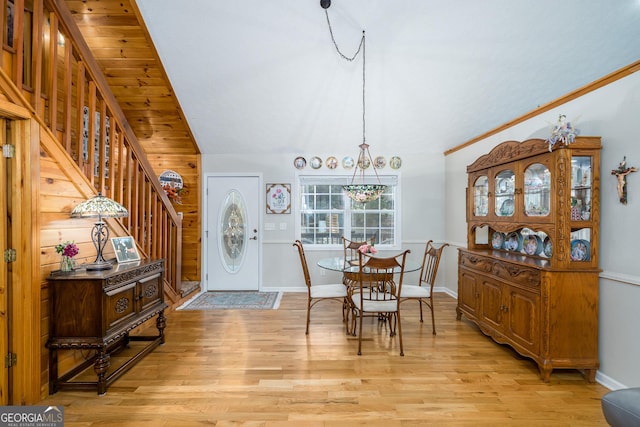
[[621, 173]]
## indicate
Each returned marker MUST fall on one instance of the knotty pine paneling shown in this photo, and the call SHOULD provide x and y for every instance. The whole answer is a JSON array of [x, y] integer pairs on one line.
[[124, 52], [189, 167]]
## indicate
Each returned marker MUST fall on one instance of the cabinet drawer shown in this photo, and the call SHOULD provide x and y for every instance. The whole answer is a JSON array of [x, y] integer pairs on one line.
[[514, 274]]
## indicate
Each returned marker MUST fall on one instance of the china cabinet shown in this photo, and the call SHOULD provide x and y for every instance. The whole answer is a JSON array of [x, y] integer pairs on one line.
[[529, 274]]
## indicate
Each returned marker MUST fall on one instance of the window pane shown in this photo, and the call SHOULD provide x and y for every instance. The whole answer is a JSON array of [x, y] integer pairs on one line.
[[372, 220], [322, 201], [327, 215], [337, 201]]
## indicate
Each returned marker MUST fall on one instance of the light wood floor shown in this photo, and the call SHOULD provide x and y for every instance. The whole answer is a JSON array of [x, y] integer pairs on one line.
[[257, 368]]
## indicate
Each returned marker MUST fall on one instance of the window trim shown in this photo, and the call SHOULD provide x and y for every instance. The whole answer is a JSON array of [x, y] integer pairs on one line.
[[305, 177]]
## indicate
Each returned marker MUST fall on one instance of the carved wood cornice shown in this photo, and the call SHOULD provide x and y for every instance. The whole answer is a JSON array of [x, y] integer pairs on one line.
[[509, 151]]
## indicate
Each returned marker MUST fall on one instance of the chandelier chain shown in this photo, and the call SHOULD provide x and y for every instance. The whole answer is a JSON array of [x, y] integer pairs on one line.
[[364, 192], [361, 47], [333, 39]]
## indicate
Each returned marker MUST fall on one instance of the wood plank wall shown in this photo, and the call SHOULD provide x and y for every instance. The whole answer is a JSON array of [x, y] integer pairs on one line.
[[190, 168], [52, 181]]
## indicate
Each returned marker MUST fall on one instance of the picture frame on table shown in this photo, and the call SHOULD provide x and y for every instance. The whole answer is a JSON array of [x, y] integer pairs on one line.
[[278, 198], [125, 249]]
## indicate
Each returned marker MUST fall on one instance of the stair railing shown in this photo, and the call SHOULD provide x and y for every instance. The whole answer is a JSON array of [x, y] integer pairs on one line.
[[52, 67]]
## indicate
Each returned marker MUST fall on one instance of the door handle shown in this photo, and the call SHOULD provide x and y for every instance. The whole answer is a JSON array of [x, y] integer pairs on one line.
[[253, 238]]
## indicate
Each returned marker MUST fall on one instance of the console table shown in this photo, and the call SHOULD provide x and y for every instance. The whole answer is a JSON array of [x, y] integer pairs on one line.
[[96, 310]]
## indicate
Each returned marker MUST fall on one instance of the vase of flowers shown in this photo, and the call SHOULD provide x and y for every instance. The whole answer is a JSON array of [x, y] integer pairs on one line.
[[368, 249], [68, 250]]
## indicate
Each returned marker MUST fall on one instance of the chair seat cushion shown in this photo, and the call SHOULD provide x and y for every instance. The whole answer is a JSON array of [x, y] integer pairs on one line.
[[414, 291], [622, 407], [328, 291], [375, 306]]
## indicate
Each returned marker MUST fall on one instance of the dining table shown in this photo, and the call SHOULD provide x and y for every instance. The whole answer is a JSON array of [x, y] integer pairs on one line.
[[351, 268], [339, 264]]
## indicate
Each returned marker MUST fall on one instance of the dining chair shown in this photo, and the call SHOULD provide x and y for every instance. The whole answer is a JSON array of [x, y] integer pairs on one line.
[[376, 294], [317, 293], [350, 254], [423, 291]]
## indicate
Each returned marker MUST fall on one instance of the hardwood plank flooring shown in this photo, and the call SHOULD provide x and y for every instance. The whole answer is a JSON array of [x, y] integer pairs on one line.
[[258, 369]]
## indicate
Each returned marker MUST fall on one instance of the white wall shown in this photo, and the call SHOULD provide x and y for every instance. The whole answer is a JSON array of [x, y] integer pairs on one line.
[[422, 181], [612, 112]]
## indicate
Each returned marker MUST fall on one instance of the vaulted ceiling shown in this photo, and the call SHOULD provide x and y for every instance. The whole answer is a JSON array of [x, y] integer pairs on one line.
[[255, 76]]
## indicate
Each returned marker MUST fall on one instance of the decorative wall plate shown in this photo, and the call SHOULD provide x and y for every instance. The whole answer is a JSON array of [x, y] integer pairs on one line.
[[513, 242], [497, 240], [506, 209], [532, 245], [331, 162], [348, 162], [172, 185], [547, 247], [580, 250], [379, 162], [299, 162], [395, 162], [364, 164], [316, 162]]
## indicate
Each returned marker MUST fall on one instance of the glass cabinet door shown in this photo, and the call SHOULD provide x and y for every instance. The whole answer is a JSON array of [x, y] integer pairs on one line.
[[537, 194], [581, 182], [481, 196], [504, 190]]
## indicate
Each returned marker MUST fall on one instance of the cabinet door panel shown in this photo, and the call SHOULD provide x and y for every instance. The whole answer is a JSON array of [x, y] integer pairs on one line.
[[149, 291], [524, 319], [119, 305], [491, 303], [467, 292]]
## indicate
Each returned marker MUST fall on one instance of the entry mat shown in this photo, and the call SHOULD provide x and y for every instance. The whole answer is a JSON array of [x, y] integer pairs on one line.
[[238, 300]]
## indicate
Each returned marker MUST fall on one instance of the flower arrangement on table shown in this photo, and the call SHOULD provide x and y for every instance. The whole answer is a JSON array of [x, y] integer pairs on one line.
[[368, 249], [68, 250]]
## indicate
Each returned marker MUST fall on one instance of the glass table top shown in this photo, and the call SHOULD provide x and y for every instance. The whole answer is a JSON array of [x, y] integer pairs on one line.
[[339, 264]]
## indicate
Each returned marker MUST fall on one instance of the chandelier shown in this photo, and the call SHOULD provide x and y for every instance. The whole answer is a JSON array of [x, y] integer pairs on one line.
[[358, 189]]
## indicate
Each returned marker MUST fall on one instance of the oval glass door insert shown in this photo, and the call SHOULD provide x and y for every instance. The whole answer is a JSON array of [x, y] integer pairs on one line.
[[232, 243]]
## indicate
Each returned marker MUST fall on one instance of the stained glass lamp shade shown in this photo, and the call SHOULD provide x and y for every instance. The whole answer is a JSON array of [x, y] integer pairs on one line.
[[99, 207]]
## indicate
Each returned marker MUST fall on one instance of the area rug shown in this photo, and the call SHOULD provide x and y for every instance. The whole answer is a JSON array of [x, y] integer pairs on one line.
[[238, 300]]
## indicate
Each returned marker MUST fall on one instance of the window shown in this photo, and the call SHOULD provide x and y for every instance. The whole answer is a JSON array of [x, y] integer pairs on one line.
[[326, 214]]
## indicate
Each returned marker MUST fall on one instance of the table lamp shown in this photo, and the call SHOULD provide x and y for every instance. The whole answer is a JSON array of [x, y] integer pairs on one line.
[[99, 207]]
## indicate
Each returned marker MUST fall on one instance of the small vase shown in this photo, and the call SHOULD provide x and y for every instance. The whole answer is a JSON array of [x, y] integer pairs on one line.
[[66, 264]]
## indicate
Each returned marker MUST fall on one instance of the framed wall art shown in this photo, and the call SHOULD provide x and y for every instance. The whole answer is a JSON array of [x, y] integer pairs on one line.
[[278, 198], [125, 249]]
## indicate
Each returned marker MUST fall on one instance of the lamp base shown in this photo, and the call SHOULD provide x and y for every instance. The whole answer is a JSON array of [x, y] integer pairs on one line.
[[104, 265]]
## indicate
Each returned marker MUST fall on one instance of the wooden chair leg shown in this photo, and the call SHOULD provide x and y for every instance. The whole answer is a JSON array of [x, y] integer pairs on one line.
[[400, 333], [360, 336], [433, 318], [308, 316]]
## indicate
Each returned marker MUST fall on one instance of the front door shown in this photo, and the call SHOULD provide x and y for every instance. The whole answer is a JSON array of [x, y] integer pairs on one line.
[[232, 258]]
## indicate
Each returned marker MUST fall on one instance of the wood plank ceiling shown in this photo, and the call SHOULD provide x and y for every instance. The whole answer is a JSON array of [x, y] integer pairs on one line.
[[122, 47]]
